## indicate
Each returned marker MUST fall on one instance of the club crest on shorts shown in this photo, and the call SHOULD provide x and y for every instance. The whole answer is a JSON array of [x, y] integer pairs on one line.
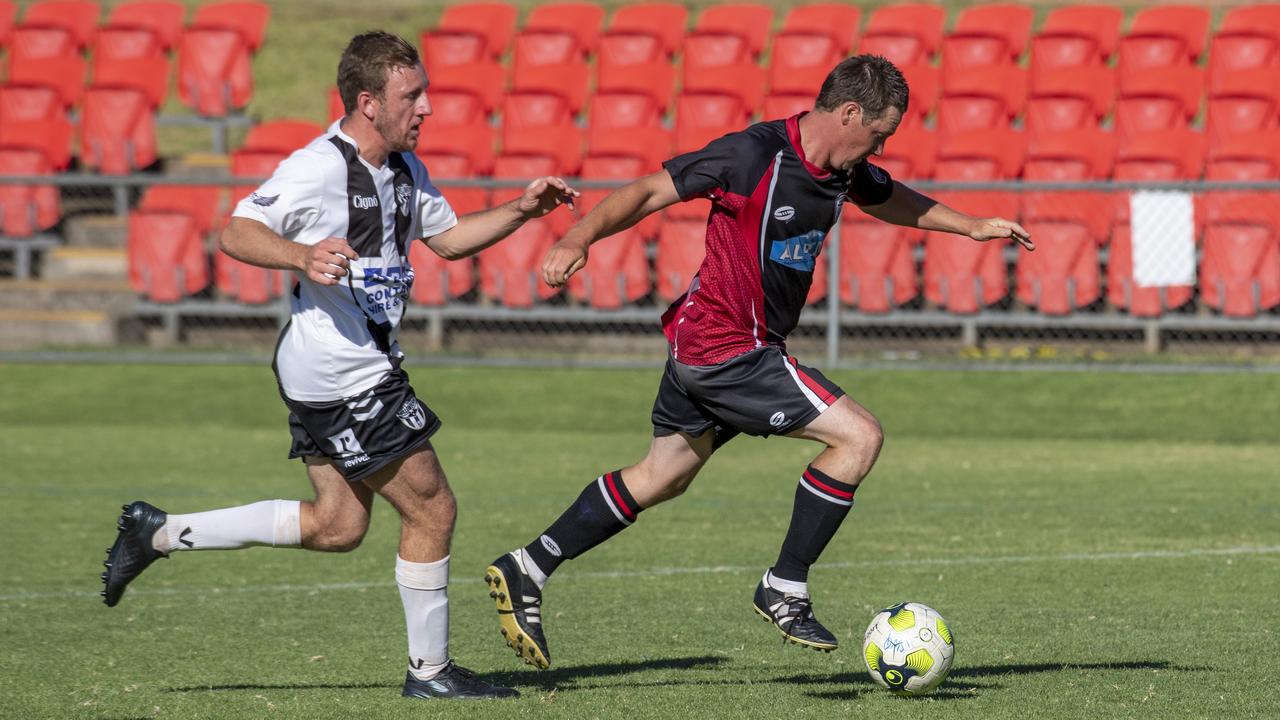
[[412, 415]]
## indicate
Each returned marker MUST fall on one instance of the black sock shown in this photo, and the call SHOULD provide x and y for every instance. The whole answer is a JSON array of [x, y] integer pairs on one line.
[[603, 510], [820, 507]]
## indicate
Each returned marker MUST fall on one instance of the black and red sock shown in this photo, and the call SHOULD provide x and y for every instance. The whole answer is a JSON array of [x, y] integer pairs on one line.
[[820, 506], [604, 509]]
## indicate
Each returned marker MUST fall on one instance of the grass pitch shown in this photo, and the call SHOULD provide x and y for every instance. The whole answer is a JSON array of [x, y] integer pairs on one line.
[[1103, 545]]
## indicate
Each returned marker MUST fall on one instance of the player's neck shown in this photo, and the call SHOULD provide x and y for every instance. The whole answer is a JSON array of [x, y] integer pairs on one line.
[[817, 137], [369, 142]]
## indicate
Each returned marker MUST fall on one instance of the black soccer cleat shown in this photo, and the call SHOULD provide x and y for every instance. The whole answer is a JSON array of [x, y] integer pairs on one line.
[[454, 682], [519, 602], [132, 551], [793, 616]]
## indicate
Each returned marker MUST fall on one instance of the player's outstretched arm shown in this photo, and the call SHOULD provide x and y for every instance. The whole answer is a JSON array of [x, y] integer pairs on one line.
[[912, 209], [252, 242], [479, 230], [621, 209]]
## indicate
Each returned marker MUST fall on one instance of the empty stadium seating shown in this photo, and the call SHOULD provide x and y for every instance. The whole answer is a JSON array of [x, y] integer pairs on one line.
[[215, 74], [642, 33], [167, 256], [436, 280], [906, 34], [984, 35], [493, 23], [1164, 36], [681, 248], [877, 267], [1076, 36], [1248, 38], [26, 209]]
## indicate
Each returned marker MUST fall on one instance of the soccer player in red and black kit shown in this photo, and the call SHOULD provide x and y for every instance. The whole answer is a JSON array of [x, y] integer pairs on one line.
[[776, 189]]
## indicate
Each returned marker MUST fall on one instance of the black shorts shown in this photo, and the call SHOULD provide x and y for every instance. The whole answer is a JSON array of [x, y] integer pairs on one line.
[[762, 392], [363, 434]]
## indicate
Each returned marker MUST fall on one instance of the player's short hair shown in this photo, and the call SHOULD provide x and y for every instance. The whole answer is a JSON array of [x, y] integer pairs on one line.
[[368, 61], [869, 80]]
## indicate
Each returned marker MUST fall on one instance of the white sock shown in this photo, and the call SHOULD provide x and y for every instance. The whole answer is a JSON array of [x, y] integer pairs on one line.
[[277, 523], [424, 590], [534, 572], [789, 587]]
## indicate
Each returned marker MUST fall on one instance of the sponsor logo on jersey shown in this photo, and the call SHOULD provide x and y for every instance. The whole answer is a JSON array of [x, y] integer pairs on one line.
[[364, 202], [778, 419], [346, 445], [877, 174], [798, 252], [784, 213], [263, 200], [412, 415], [550, 545], [403, 191]]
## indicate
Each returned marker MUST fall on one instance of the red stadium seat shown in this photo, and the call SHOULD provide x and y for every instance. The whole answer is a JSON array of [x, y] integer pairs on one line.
[[837, 21], [247, 18], [167, 256], [649, 146], [215, 75], [621, 168], [749, 21], [744, 83], [992, 34], [436, 280], [248, 284], [547, 47], [644, 32], [452, 108], [618, 273], [877, 267], [117, 129], [906, 34], [923, 83], [509, 270], [162, 19], [1068, 99], [1248, 38], [1244, 102], [560, 144], [1240, 269], [1164, 36], [127, 43], [202, 202], [680, 251], [446, 165], [77, 18], [442, 48], [703, 118], [486, 81], [148, 75], [26, 209], [255, 165], [65, 74], [583, 20], [521, 110], [281, 136], [1246, 156], [567, 81], [493, 21], [981, 98], [1161, 99], [811, 52], [819, 283], [1075, 36], [776, 107], [33, 118], [476, 142], [8, 11], [656, 79], [716, 50], [612, 111], [961, 275], [909, 154], [1162, 156], [1063, 274]]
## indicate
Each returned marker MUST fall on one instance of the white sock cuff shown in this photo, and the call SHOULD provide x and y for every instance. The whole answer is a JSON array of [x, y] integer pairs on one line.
[[790, 587], [288, 524], [423, 576]]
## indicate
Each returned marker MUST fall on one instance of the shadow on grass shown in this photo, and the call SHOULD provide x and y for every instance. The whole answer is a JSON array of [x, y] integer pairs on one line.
[[960, 686], [563, 677]]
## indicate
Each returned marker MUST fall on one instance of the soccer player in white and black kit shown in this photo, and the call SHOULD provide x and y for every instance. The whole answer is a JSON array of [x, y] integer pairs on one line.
[[341, 213], [776, 189]]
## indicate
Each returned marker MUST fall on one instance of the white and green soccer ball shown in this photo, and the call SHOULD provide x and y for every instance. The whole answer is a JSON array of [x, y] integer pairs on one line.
[[908, 649]]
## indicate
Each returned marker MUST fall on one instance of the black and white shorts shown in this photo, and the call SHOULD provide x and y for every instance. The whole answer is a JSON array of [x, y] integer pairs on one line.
[[365, 433], [762, 392]]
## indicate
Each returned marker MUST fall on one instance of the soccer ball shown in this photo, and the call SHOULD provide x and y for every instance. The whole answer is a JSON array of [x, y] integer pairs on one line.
[[908, 649]]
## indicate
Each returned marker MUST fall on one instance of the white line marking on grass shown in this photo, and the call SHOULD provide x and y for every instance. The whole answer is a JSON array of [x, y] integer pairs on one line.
[[710, 569]]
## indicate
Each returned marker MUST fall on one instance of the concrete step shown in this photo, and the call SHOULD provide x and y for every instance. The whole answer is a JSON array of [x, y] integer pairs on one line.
[[96, 231], [103, 295], [36, 329], [85, 263]]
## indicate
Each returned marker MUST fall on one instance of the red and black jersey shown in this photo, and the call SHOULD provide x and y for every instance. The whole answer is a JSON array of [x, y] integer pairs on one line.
[[770, 213]]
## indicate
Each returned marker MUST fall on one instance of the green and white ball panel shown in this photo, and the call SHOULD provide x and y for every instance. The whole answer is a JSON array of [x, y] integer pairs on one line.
[[908, 649]]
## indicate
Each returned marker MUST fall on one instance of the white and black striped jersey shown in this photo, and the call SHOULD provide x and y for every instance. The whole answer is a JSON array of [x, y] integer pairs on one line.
[[341, 339]]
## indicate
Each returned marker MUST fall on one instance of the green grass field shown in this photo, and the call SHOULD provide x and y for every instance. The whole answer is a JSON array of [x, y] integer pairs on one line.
[[1103, 545]]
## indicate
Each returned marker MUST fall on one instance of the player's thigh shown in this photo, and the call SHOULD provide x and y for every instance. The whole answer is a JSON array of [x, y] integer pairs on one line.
[[845, 423], [413, 483], [339, 504]]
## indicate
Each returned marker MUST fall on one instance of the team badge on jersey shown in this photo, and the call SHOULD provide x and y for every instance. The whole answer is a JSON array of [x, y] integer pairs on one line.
[[798, 252], [412, 415], [263, 200], [403, 192]]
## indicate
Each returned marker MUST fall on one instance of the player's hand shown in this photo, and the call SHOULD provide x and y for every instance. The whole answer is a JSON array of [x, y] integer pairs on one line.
[[994, 228], [544, 195], [563, 260], [328, 261]]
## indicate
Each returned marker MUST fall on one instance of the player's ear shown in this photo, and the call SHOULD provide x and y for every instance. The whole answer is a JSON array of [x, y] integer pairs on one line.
[[364, 104], [850, 112]]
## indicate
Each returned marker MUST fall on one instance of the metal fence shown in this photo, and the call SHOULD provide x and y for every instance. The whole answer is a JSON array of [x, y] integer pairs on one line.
[[1121, 270]]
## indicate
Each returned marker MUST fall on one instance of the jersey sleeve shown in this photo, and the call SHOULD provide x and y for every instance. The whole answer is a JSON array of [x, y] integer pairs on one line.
[[723, 166], [291, 199], [435, 215], [869, 184]]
